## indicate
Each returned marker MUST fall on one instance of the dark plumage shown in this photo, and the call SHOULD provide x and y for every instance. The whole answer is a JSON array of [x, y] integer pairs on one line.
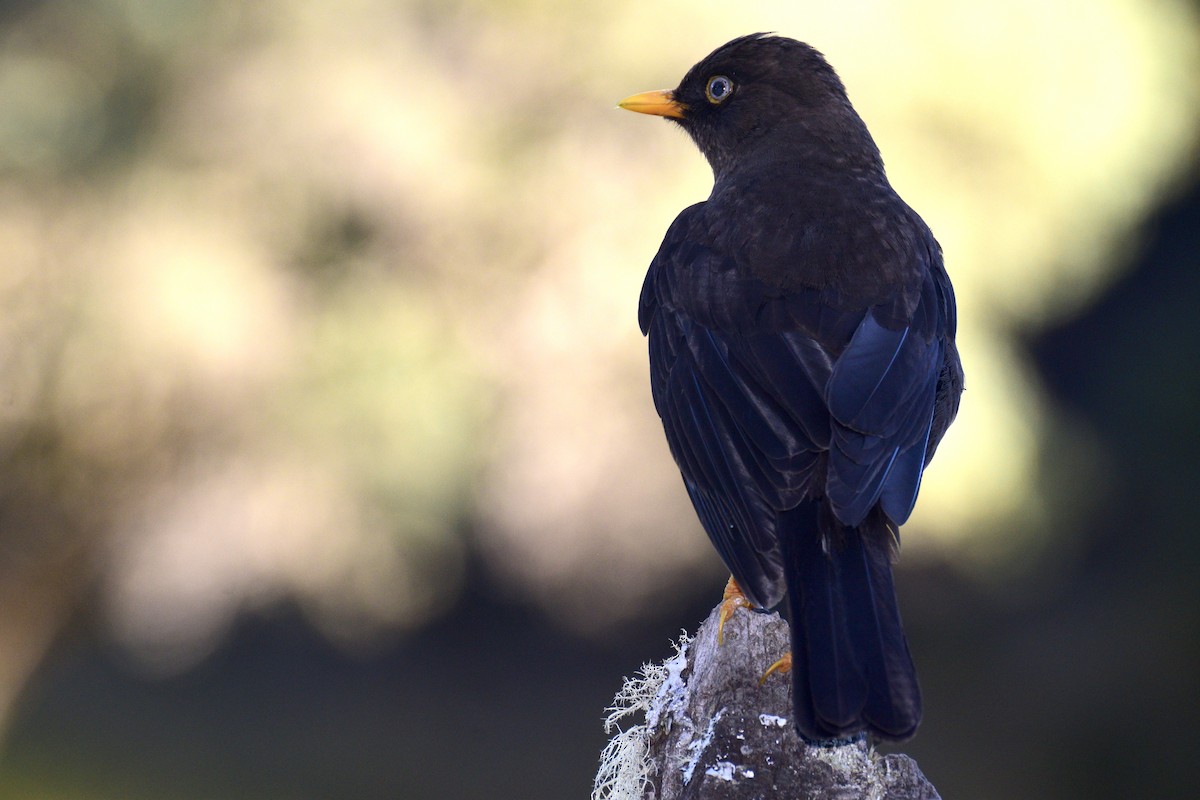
[[801, 332]]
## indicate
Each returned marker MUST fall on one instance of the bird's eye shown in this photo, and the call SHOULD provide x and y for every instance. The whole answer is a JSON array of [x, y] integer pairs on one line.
[[718, 89]]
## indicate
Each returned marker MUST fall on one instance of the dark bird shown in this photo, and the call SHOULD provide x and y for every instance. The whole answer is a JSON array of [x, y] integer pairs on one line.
[[802, 359]]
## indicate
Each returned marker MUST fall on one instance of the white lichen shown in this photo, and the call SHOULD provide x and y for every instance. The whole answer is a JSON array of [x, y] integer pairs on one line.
[[722, 770], [697, 746], [768, 720], [624, 767], [672, 694], [858, 763], [728, 771], [656, 691], [846, 759]]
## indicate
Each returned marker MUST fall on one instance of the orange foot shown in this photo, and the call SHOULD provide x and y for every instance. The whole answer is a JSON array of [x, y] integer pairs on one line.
[[782, 665], [731, 601]]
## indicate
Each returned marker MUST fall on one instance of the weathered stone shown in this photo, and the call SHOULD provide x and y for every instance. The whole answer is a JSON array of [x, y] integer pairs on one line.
[[713, 733]]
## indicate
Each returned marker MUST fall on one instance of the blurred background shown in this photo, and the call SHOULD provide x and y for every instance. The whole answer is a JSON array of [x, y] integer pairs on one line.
[[328, 466]]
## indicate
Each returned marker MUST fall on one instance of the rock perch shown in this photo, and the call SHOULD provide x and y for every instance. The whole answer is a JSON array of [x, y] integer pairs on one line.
[[712, 733]]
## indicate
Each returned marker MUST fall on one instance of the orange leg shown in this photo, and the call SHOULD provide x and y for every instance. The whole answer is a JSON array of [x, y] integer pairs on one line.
[[782, 665], [731, 601]]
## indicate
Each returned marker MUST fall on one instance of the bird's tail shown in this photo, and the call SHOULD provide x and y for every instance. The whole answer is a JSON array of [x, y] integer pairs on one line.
[[851, 669]]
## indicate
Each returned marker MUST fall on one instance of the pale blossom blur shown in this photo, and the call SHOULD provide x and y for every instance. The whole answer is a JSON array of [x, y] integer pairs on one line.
[[296, 294]]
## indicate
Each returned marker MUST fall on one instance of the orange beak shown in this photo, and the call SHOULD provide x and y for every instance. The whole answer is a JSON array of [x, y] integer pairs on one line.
[[660, 104]]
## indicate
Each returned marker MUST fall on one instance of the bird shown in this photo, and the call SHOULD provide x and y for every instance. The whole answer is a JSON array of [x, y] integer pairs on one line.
[[801, 333]]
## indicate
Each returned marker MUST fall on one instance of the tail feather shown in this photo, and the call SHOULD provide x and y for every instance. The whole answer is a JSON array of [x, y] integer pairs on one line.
[[851, 668]]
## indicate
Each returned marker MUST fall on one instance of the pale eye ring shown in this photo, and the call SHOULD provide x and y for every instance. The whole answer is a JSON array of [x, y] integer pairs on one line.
[[718, 89]]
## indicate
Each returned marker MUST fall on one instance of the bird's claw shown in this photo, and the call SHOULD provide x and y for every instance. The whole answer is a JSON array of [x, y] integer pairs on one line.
[[731, 601], [782, 665]]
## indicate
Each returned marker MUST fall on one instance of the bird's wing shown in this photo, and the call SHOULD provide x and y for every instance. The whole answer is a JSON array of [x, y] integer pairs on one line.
[[771, 396], [881, 397]]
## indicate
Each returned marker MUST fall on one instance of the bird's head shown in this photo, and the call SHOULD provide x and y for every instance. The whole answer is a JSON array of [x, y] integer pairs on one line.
[[764, 96]]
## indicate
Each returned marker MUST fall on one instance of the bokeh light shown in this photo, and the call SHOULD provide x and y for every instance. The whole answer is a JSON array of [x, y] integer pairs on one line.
[[324, 303]]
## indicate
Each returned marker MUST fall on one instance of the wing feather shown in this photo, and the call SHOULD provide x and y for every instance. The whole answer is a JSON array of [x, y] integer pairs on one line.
[[771, 397]]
